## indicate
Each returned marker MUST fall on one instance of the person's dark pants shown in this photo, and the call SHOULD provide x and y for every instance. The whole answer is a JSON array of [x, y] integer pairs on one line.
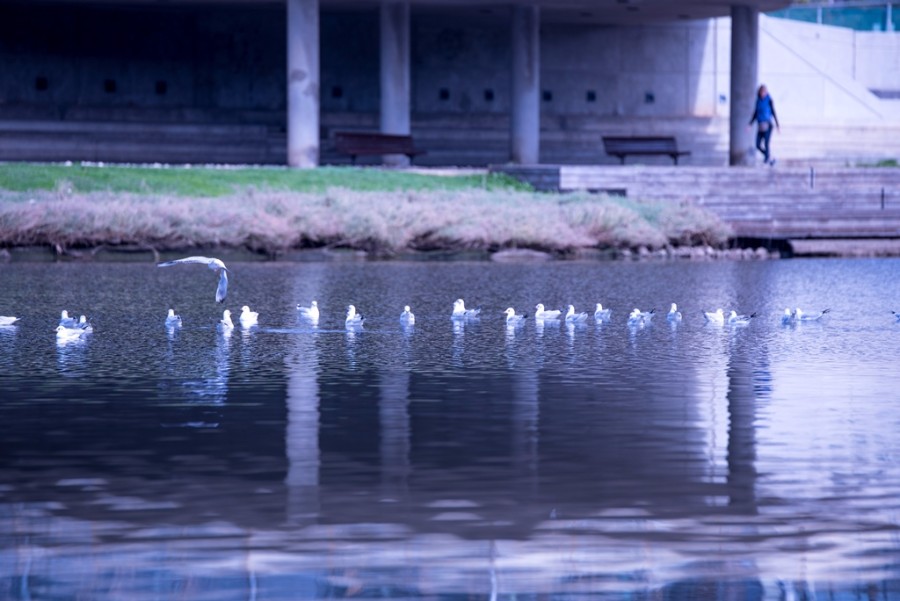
[[762, 141]]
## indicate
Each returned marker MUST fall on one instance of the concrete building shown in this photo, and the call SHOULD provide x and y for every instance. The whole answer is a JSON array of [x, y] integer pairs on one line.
[[476, 83]]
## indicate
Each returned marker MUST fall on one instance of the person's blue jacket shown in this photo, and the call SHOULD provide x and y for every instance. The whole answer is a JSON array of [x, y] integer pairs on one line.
[[765, 111]]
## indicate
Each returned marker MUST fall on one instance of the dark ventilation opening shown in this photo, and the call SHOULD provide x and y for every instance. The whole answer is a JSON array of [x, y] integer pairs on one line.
[[591, 96], [41, 84], [489, 95], [161, 87], [547, 96], [444, 94], [109, 86], [337, 92], [649, 97]]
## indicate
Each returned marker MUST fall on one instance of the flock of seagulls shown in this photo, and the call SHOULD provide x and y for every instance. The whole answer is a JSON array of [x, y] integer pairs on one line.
[[70, 328]]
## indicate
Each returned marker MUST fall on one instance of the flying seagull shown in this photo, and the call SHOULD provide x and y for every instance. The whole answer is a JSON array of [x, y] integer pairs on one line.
[[214, 264]]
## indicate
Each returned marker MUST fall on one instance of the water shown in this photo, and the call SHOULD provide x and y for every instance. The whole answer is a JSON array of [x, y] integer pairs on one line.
[[292, 462]]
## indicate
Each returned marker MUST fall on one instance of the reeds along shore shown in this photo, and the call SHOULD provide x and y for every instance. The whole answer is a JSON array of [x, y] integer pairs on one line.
[[382, 222]]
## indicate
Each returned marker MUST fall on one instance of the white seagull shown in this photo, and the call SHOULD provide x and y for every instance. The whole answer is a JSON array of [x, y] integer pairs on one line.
[[640, 318], [788, 317], [248, 318], [716, 317], [225, 323], [460, 311], [311, 312], [541, 313], [573, 317], [214, 264], [674, 314], [407, 317], [513, 320], [172, 320], [66, 321], [63, 333], [84, 324], [635, 318], [354, 319], [739, 320], [601, 314], [801, 316], [6, 320]]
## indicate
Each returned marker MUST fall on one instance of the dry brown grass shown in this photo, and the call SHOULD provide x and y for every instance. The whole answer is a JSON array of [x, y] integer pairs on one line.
[[384, 222]]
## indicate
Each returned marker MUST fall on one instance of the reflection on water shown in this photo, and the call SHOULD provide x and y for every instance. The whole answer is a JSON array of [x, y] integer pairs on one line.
[[452, 458]]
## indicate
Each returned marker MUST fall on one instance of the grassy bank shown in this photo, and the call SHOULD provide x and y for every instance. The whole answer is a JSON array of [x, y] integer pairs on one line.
[[221, 181], [384, 212]]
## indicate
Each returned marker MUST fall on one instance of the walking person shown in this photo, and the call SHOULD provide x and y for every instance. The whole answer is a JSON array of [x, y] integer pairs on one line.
[[764, 115]]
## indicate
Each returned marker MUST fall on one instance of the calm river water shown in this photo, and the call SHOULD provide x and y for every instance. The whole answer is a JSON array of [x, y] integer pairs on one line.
[[451, 460]]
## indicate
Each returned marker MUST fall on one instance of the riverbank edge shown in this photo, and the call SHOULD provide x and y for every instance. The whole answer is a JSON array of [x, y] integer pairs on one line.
[[115, 254]]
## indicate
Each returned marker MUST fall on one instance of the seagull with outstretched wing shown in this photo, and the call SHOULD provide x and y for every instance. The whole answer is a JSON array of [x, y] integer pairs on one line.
[[215, 264]]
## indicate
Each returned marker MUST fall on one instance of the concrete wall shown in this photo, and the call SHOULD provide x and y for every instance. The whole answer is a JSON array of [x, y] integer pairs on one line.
[[877, 60], [810, 70], [175, 64]]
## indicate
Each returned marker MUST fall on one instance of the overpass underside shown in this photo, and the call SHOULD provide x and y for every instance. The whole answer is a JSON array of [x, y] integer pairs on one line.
[[244, 81]]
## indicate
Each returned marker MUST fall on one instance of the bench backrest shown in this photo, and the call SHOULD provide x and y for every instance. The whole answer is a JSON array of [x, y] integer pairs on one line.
[[640, 144], [353, 142]]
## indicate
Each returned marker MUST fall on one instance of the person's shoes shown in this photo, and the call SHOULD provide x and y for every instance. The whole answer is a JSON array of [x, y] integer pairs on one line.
[[772, 163]]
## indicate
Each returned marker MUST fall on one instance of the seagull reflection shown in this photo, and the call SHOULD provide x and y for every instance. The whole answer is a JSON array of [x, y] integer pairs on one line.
[[459, 334], [351, 347], [213, 389], [70, 355]]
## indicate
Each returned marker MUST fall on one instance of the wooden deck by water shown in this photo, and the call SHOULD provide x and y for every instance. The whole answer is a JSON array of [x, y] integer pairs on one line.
[[813, 210]]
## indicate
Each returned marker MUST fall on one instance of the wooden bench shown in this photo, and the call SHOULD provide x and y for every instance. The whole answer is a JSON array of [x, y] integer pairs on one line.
[[359, 143], [620, 146]]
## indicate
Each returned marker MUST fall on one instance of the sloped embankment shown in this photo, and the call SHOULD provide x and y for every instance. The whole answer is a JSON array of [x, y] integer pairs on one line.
[[384, 223]]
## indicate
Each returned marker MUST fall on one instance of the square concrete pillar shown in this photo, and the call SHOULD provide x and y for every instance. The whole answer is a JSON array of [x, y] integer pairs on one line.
[[744, 74], [303, 83], [525, 117], [395, 72]]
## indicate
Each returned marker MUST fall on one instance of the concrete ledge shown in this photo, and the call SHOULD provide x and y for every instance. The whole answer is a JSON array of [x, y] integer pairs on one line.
[[844, 247]]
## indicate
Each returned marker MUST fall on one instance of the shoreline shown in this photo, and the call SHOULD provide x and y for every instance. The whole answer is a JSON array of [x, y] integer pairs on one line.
[[112, 254]]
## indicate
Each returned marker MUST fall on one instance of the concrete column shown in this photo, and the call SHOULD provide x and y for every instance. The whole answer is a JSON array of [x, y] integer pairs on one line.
[[744, 60], [303, 83], [525, 109], [395, 69]]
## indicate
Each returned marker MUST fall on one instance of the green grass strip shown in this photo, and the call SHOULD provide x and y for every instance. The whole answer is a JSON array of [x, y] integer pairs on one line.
[[221, 181]]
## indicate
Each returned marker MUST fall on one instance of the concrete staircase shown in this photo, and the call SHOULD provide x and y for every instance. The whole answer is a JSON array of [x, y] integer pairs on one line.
[[760, 203]]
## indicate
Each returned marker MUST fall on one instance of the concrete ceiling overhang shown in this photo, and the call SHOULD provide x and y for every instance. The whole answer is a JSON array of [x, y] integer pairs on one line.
[[610, 12]]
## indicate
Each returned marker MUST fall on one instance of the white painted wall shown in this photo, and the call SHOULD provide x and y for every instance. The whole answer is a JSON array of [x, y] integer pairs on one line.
[[877, 60]]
